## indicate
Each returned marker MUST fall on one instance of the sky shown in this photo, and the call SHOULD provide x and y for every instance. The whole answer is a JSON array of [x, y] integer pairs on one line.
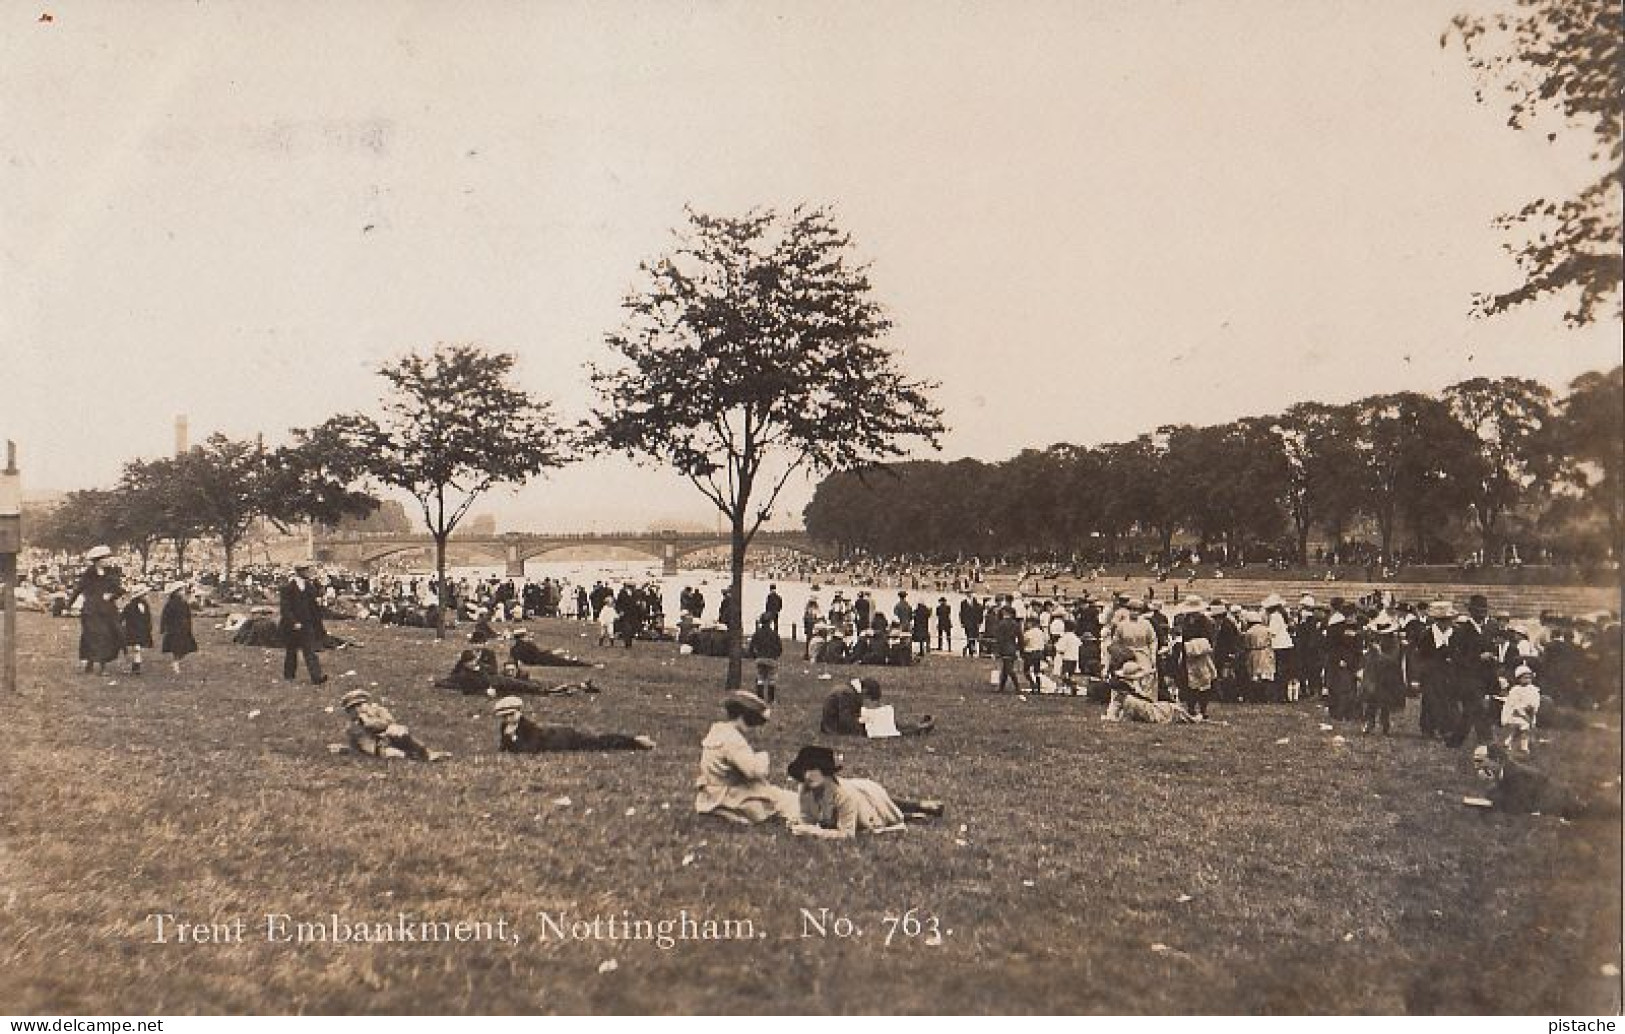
[[1085, 219]]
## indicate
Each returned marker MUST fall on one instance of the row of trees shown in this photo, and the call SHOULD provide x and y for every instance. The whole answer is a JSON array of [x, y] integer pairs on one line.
[[752, 351], [215, 491], [1413, 465]]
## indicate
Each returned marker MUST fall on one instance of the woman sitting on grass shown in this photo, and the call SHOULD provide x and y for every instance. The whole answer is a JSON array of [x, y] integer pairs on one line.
[[519, 735], [733, 779], [1129, 705], [837, 809]]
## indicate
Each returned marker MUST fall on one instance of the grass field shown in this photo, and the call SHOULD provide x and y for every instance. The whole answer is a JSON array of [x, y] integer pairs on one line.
[[1082, 867]]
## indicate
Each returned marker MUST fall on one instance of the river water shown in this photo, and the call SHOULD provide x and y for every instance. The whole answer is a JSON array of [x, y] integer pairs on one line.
[[711, 583]]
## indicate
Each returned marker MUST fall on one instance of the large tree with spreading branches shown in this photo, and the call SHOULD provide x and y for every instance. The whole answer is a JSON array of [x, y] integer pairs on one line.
[[754, 350], [453, 427]]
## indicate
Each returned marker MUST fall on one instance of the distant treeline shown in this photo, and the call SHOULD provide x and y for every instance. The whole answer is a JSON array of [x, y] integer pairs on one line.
[[1484, 465]]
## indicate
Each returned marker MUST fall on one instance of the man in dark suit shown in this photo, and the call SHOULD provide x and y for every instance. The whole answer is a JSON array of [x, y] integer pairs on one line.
[[301, 624], [1431, 648], [1472, 663]]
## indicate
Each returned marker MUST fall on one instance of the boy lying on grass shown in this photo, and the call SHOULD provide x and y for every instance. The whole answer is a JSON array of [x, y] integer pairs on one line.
[[1524, 790], [524, 651], [375, 732], [519, 735], [476, 672]]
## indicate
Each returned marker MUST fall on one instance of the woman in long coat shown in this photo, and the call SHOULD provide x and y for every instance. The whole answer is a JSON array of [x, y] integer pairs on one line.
[[175, 626], [734, 780], [101, 634]]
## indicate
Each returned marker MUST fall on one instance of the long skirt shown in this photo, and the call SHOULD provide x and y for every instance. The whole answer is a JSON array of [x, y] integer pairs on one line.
[[101, 634]]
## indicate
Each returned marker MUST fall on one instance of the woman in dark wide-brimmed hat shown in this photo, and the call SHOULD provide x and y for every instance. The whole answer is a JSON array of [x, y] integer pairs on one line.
[[733, 778], [838, 808]]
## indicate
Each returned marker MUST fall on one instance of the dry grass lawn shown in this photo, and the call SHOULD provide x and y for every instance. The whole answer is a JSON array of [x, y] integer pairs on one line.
[[1082, 867]]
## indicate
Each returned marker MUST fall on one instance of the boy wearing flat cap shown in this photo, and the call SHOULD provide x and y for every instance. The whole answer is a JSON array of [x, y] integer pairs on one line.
[[517, 734], [375, 732]]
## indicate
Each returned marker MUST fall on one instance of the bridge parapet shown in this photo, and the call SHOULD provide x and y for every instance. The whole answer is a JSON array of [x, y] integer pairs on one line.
[[517, 547]]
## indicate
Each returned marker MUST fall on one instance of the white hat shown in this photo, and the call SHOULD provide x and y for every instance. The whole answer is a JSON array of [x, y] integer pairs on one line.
[[1272, 600], [98, 553], [1523, 669], [179, 586]]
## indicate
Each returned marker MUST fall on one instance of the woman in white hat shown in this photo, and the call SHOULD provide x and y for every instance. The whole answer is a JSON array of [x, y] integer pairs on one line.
[[101, 634]]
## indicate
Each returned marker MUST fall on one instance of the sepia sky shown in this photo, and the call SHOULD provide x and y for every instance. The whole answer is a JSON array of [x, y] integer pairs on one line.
[[1085, 219]]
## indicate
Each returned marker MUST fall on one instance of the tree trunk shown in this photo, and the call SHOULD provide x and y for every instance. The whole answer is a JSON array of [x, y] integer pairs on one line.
[[180, 555], [231, 551], [1486, 532], [440, 586], [736, 617], [1385, 527], [1303, 541]]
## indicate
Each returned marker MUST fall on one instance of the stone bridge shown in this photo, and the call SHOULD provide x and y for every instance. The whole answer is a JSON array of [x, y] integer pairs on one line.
[[363, 549]]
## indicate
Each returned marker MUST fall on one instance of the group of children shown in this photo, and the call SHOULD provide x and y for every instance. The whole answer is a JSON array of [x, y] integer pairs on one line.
[[107, 631]]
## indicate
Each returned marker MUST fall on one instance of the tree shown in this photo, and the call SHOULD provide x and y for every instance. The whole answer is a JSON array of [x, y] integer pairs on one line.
[[1227, 481], [153, 504], [312, 479], [1592, 432], [453, 428], [224, 486], [752, 352], [1559, 58], [83, 519], [1511, 418], [1322, 468], [1414, 461]]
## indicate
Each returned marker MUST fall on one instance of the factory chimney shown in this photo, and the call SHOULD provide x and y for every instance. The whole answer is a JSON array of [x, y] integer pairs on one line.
[[181, 442]]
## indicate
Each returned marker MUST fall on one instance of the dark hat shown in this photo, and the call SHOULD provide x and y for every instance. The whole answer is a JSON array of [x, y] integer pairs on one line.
[[870, 688], [750, 703], [821, 758], [1478, 601]]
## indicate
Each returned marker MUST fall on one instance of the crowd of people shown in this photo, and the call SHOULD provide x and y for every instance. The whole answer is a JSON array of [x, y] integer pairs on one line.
[[1478, 677]]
